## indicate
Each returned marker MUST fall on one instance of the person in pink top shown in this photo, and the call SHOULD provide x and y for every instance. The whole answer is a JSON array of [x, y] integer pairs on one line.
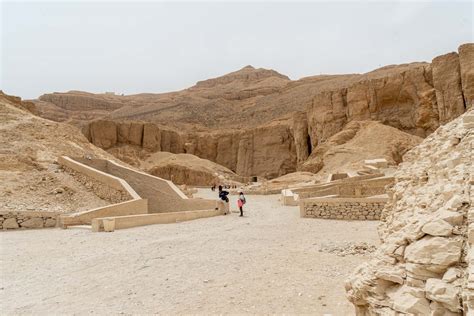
[[240, 203]]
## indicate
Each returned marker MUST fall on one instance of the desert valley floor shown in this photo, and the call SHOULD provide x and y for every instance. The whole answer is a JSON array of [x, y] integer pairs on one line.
[[270, 261]]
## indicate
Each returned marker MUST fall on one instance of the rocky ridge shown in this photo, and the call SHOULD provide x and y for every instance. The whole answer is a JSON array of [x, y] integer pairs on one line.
[[422, 266], [293, 117], [30, 177], [179, 168], [347, 150]]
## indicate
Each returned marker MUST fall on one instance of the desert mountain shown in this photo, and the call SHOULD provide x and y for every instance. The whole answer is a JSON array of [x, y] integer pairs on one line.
[[29, 148], [179, 168], [259, 122]]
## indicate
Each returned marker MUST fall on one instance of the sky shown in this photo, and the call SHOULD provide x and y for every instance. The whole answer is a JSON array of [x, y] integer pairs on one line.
[[134, 47]]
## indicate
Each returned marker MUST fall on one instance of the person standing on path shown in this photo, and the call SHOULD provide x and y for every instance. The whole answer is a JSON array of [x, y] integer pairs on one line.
[[240, 203]]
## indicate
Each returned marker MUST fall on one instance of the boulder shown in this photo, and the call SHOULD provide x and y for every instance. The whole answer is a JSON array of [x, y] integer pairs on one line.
[[411, 300], [10, 223], [452, 274], [444, 293], [434, 251], [437, 227], [50, 222], [453, 218], [424, 272], [391, 273], [34, 222]]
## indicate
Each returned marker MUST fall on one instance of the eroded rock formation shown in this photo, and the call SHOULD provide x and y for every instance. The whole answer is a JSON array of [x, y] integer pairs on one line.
[[266, 150], [238, 118], [422, 264], [346, 150]]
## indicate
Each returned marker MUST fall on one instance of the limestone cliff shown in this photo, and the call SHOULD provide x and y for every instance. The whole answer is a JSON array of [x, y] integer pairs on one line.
[[346, 150], [267, 150], [259, 122]]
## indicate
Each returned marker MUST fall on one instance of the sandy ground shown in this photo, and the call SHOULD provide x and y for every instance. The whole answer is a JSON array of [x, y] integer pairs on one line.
[[266, 262]]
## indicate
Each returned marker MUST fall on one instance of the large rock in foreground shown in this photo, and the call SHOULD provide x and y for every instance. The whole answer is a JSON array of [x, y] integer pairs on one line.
[[422, 266]]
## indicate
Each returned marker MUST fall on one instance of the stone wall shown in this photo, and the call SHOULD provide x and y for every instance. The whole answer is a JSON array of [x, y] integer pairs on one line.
[[343, 208], [100, 189], [23, 220], [361, 186]]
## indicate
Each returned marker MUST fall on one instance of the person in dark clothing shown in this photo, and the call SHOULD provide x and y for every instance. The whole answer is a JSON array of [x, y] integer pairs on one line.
[[240, 203], [223, 194]]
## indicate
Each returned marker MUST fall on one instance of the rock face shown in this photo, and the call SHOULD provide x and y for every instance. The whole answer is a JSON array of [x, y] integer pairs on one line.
[[179, 168], [267, 150], [421, 265], [466, 61], [359, 140], [447, 83], [302, 140], [235, 119]]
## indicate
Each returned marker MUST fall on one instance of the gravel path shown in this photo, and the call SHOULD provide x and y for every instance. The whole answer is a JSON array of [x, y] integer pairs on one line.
[[266, 262]]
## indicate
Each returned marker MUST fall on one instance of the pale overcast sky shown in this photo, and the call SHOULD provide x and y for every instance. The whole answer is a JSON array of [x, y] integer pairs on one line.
[[130, 47]]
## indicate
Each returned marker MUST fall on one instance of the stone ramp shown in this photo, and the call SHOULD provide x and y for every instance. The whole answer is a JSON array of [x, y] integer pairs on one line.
[[140, 194], [162, 195]]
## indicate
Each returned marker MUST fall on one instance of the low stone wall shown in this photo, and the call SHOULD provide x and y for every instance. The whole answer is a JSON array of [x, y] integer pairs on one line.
[[343, 208], [367, 186], [129, 221], [24, 220], [132, 207], [100, 189]]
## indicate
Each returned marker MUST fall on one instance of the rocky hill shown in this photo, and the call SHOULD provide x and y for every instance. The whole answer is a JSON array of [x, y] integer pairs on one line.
[[179, 168], [358, 141], [424, 265], [258, 122], [30, 178]]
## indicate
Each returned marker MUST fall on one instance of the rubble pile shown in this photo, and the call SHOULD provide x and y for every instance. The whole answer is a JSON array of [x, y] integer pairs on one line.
[[422, 266]]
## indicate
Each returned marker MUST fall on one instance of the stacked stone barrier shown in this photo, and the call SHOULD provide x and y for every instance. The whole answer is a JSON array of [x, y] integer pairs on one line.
[[343, 208]]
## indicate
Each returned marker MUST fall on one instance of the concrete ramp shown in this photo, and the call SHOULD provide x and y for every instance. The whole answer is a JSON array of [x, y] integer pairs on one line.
[[162, 195], [135, 193]]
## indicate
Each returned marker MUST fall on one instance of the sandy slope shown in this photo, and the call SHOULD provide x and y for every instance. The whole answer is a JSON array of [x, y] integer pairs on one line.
[[30, 179], [268, 261], [359, 140]]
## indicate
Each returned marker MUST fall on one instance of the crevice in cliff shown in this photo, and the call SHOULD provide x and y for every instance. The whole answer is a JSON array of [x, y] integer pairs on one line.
[[309, 145], [428, 76], [464, 101]]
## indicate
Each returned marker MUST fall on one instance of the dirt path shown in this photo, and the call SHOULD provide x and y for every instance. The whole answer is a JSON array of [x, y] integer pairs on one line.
[[267, 262]]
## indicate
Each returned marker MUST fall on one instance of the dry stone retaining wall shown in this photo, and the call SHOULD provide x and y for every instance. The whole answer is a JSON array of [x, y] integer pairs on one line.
[[343, 208], [23, 220], [100, 189]]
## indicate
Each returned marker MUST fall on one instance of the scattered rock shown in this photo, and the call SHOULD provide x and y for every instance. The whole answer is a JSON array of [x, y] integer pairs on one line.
[[438, 228], [442, 292], [10, 223], [35, 222]]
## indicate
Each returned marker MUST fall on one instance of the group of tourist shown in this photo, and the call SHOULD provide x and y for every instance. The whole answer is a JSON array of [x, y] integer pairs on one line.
[[223, 195], [225, 186]]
